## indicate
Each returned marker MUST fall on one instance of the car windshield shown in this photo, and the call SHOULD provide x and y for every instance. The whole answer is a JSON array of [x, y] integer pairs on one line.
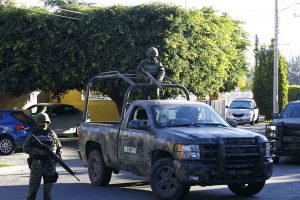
[[186, 115], [240, 105], [291, 111]]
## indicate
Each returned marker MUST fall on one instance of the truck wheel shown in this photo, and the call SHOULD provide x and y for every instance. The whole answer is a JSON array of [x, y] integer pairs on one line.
[[164, 183], [246, 190], [7, 146], [99, 173]]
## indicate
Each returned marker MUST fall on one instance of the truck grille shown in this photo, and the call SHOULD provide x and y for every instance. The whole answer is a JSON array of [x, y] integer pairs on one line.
[[290, 136], [235, 158], [291, 130]]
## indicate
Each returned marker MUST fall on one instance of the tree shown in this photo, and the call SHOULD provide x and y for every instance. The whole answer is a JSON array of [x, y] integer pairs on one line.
[[263, 81], [199, 49], [7, 2], [293, 74]]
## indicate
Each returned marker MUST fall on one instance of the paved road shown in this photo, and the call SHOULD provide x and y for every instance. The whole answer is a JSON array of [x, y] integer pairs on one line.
[[284, 184], [258, 128]]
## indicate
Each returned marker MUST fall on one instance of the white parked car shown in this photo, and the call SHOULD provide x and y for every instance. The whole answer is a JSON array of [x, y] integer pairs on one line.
[[243, 110], [64, 117]]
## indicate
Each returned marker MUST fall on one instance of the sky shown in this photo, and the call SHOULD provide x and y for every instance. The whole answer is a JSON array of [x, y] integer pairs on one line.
[[258, 16]]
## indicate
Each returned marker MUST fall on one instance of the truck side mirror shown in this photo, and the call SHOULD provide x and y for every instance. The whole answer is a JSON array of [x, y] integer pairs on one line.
[[139, 124], [275, 115]]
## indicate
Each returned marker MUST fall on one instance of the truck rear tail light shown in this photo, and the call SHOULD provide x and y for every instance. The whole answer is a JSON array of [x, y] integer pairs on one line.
[[20, 127]]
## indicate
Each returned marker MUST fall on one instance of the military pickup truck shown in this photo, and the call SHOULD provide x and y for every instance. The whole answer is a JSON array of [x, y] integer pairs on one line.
[[176, 143], [285, 131]]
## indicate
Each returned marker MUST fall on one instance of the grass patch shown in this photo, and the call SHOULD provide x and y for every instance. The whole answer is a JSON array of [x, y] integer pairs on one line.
[[267, 121], [3, 164]]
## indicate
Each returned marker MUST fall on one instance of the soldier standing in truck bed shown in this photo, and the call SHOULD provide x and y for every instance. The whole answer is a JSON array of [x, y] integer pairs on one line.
[[40, 163], [155, 68]]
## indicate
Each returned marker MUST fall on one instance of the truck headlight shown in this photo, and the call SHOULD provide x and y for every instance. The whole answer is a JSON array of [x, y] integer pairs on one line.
[[273, 128], [187, 152], [268, 149], [271, 131]]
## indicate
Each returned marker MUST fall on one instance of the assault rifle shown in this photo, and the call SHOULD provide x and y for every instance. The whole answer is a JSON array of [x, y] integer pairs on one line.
[[54, 156], [152, 79]]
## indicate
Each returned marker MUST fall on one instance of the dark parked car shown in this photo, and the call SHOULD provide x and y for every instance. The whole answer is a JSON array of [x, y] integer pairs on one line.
[[14, 127], [285, 130], [64, 117]]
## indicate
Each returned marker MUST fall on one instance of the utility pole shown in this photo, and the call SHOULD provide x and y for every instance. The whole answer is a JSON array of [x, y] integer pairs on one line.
[[275, 73]]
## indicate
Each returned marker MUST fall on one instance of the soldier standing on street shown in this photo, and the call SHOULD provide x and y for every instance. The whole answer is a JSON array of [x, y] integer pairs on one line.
[[39, 161], [153, 67]]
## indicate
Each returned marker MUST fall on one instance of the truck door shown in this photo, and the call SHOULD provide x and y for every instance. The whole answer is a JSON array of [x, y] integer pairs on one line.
[[133, 140]]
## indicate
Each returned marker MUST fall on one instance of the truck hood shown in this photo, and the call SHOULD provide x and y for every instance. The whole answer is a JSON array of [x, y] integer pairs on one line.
[[199, 133], [286, 121]]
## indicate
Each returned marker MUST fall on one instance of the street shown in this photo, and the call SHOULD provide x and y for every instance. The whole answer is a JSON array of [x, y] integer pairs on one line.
[[283, 185]]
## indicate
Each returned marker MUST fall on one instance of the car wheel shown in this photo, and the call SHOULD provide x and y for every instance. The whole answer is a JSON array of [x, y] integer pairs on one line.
[[246, 190], [99, 173], [164, 183], [7, 146]]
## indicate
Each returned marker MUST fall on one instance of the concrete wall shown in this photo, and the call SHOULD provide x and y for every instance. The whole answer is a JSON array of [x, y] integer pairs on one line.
[[99, 109], [22, 102]]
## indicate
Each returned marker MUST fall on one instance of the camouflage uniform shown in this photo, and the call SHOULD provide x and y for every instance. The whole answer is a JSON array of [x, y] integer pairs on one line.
[[155, 68], [41, 164]]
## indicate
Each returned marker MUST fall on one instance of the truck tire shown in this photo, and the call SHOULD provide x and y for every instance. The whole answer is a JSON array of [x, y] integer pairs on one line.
[[164, 183], [247, 190], [99, 173], [7, 146]]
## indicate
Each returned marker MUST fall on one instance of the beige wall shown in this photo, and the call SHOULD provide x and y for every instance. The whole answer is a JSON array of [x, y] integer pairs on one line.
[[22, 102]]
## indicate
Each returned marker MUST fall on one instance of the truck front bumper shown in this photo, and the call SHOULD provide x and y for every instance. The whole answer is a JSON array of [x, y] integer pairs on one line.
[[197, 173]]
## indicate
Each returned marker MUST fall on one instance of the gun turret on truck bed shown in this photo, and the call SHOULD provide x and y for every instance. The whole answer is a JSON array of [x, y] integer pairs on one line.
[[176, 143]]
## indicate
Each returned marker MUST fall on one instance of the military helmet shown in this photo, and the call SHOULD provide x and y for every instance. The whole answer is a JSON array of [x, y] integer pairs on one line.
[[42, 117], [152, 51]]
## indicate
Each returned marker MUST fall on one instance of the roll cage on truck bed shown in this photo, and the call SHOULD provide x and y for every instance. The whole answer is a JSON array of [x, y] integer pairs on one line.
[[130, 77], [173, 157]]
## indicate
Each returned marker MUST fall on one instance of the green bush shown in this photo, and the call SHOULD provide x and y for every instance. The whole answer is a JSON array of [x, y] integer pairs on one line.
[[263, 82], [294, 92], [200, 49]]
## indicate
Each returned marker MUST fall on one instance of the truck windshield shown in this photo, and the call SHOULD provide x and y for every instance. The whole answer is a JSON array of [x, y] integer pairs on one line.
[[291, 111], [186, 115]]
